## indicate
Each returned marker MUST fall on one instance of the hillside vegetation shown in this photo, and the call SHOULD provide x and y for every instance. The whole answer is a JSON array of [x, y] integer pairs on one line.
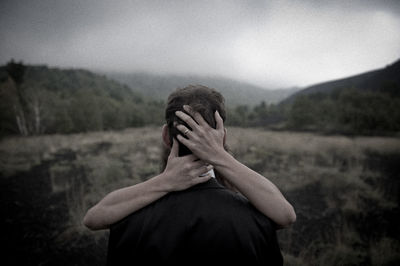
[[40, 100], [366, 104], [384, 80], [70, 136], [345, 192]]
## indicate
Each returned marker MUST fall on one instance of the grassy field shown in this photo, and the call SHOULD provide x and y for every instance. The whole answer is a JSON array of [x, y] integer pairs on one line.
[[345, 192]]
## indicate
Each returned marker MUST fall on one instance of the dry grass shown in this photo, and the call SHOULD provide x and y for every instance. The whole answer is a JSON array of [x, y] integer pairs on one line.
[[327, 178]]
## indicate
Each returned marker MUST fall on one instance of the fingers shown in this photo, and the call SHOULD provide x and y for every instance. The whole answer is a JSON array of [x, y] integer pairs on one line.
[[196, 115], [184, 130], [196, 166], [184, 141], [202, 171], [190, 158], [202, 179], [175, 148], [219, 121], [198, 119], [187, 118]]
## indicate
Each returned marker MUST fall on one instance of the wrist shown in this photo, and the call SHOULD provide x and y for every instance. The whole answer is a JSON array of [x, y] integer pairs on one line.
[[162, 184], [221, 159]]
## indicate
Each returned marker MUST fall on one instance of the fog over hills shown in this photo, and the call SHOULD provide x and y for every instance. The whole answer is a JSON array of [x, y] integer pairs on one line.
[[158, 87]]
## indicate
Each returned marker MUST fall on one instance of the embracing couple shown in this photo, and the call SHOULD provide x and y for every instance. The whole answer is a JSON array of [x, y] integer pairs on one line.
[[205, 207]]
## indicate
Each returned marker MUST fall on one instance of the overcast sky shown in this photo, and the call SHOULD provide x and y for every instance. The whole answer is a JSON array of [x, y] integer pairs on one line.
[[269, 43]]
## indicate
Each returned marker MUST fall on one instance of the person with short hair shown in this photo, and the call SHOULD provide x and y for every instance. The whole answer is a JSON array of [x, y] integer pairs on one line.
[[205, 206]]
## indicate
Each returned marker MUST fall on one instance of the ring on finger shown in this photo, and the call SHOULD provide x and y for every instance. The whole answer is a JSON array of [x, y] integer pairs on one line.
[[186, 131]]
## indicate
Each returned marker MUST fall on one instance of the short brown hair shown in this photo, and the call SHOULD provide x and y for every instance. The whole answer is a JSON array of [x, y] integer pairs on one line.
[[202, 99]]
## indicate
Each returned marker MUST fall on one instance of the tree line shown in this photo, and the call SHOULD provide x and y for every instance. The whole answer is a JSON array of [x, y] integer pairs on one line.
[[346, 111], [39, 100]]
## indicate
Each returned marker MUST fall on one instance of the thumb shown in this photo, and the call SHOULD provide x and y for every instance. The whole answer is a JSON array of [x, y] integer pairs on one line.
[[174, 149]]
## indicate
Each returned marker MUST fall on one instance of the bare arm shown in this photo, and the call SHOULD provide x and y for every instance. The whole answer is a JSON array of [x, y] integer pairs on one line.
[[207, 144], [261, 192], [180, 173], [120, 203]]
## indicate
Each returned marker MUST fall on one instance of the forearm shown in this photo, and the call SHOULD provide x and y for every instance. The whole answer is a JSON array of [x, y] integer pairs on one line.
[[120, 203], [261, 192], [207, 143]]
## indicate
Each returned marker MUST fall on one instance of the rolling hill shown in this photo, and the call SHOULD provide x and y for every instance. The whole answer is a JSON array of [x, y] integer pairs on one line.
[[386, 80], [235, 92], [45, 100], [364, 104]]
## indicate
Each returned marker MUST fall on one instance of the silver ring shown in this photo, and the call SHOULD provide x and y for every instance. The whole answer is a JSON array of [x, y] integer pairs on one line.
[[186, 131]]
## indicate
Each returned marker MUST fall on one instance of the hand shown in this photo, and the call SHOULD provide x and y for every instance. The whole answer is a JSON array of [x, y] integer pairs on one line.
[[184, 172], [204, 141]]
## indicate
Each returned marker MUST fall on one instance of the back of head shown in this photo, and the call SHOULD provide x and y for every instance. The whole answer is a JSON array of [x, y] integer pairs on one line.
[[202, 99]]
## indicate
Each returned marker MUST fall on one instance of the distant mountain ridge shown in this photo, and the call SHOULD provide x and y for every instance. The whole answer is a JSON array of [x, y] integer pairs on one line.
[[364, 104], [235, 92], [375, 80], [46, 100]]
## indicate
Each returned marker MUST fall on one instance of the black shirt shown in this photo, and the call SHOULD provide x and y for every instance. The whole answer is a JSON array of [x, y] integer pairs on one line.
[[205, 224]]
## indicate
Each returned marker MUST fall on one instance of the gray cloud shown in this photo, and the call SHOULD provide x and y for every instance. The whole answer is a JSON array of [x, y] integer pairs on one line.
[[270, 43]]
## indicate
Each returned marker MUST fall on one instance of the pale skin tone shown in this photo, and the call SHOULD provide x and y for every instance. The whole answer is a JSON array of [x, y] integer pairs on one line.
[[207, 144], [261, 192], [179, 174]]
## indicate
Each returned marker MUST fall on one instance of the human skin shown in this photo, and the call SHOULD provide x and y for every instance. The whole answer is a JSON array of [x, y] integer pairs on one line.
[[207, 144], [180, 173]]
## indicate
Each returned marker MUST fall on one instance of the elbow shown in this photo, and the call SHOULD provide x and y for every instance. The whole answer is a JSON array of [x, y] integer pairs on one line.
[[88, 222], [91, 222], [289, 218], [292, 216]]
